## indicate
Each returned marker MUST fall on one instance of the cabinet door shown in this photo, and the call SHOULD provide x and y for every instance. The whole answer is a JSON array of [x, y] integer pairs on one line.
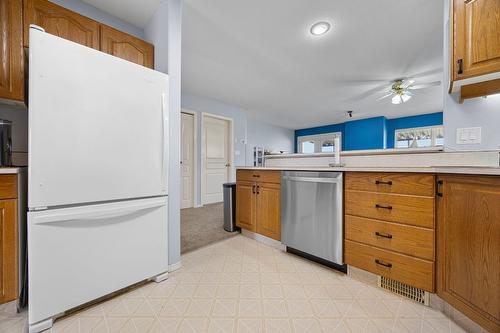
[[468, 246], [8, 250], [61, 22], [11, 50], [477, 38], [127, 47], [245, 205], [268, 210]]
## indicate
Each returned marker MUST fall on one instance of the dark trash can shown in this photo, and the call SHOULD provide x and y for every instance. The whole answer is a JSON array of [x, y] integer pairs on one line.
[[229, 190]]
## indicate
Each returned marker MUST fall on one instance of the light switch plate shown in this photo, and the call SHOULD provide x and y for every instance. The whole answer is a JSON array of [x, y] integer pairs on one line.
[[468, 135]]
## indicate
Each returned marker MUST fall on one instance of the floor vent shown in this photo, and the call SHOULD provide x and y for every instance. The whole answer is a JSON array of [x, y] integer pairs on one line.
[[405, 290]]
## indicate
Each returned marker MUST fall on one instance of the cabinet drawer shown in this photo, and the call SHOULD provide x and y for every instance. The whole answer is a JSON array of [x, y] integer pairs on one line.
[[413, 241], [404, 209], [400, 183], [415, 272], [271, 176], [8, 186]]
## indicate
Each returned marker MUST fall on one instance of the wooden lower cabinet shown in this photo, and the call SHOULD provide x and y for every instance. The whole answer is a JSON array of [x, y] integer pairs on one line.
[[268, 210], [413, 271], [245, 205], [389, 226], [8, 250], [258, 203], [468, 246]]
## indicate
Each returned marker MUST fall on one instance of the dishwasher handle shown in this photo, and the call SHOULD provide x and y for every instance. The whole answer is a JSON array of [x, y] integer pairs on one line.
[[313, 179]]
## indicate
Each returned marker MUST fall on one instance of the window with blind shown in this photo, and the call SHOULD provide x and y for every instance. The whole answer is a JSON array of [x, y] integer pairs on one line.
[[419, 137]]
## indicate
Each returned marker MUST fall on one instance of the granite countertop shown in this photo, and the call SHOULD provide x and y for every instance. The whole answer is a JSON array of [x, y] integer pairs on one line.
[[472, 170]]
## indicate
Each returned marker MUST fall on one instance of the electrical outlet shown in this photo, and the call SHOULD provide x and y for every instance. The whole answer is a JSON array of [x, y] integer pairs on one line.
[[469, 135]]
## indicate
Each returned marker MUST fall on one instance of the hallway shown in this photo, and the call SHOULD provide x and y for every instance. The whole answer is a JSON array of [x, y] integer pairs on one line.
[[202, 226]]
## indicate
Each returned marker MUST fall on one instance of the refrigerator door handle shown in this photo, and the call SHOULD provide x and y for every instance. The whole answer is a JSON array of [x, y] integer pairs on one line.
[[163, 155], [97, 213]]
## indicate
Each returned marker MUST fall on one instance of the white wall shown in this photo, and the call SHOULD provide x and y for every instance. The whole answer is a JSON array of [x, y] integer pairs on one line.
[[477, 112], [269, 137], [164, 31], [245, 130]]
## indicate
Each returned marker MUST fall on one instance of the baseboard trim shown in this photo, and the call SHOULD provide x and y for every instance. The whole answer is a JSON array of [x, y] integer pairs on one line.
[[174, 267], [263, 239]]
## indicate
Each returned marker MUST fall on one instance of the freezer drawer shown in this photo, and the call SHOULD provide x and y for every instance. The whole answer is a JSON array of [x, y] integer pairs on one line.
[[311, 213], [78, 254]]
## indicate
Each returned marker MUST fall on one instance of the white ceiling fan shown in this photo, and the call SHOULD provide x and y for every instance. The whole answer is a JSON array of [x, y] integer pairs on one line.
[[401, 90]]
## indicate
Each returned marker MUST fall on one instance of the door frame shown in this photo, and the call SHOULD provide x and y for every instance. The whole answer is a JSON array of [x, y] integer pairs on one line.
[[232, 170], [194, 170]]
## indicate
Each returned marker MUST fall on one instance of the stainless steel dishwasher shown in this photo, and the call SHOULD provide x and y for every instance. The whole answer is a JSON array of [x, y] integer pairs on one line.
[[311, 214]]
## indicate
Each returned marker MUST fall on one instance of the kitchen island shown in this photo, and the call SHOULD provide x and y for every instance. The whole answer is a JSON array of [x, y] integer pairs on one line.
[[419, 228]]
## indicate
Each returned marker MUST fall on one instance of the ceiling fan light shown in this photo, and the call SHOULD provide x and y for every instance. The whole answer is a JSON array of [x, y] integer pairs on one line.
[[405, 98], [396, 99]]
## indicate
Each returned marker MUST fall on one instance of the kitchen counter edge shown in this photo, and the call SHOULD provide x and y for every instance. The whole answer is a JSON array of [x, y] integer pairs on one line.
[[471, 170]]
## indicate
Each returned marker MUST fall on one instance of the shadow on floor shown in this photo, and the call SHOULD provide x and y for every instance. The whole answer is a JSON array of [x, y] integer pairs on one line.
[[202, 226]]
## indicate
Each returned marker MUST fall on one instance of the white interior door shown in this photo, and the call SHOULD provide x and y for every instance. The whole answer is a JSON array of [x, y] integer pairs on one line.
[[187, 160], [216, 157]]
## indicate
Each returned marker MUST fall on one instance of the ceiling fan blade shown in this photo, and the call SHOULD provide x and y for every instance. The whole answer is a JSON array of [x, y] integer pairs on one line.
[[385, 96], [407, 82], [424, 85], [379, 89], [427, 73]]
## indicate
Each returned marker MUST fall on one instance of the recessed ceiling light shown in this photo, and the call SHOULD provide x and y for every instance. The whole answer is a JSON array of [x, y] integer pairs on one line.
[[320, 28]]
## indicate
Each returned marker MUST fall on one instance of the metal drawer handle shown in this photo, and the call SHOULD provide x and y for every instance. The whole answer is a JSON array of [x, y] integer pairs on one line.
[[256, 176], [378, 234], [383, 207], [258, 189], [253, 189], [381, 263], [380, 182]]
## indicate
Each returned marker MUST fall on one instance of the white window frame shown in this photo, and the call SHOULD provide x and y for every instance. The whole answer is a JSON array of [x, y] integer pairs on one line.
[[318, 141], [433, 134]]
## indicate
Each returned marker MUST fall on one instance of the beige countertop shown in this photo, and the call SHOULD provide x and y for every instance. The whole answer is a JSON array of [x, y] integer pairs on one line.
[[9, 170], [472, 170]]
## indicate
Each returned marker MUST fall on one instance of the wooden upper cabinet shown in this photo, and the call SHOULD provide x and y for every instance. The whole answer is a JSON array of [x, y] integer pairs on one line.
[[468, 247], [475, 46], [127, 47], [8, 251], [61, 22], [11, 50]]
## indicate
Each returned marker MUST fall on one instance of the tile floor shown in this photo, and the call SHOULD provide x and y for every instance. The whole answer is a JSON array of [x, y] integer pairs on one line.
[[240, 285]]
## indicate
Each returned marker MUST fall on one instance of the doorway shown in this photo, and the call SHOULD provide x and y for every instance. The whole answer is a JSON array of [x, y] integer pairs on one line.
[[187, 159], [217, 156]]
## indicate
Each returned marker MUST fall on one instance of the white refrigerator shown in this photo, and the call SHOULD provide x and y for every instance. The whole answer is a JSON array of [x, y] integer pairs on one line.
[[97, 188]]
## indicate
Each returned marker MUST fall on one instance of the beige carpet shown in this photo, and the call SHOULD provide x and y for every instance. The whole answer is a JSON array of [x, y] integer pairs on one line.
[[202, 226]]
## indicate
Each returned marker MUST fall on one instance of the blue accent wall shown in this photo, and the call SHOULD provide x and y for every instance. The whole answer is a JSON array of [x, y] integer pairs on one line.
[[430, 119], [371, 133], [365, 134]]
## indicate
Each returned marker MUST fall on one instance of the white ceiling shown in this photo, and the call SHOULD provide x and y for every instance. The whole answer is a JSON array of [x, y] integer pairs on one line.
[[258, 55], [134, 12]]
